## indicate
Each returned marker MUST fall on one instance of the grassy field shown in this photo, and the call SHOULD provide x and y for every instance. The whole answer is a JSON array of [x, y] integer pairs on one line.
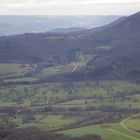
[[24, 79], [133, 123], [57, 70], [49, 122], [4, 103], [106, 131], [8, 70]]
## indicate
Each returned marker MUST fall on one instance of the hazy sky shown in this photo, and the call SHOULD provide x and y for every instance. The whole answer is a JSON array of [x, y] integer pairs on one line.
[[69, 7]]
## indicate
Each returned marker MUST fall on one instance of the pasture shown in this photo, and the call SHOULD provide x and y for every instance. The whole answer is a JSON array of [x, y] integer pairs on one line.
[[133, 123], [22, 79], [44, 121], [106, 131], [14, 70]]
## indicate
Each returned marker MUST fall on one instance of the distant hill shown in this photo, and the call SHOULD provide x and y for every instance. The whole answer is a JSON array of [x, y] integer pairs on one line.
[[11, 25], [116, 47]]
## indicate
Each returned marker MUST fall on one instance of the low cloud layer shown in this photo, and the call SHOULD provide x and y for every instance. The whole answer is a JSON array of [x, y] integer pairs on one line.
[[69, 7]]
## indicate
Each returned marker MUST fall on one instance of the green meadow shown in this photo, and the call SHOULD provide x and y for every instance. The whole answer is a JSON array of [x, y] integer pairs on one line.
[[106, 131]]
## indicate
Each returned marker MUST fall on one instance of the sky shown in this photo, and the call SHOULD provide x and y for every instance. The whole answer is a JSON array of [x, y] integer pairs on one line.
[[69, 7]]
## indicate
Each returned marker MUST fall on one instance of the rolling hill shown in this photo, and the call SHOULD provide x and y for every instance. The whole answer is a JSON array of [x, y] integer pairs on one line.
[[123, 37], [116, 47]]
